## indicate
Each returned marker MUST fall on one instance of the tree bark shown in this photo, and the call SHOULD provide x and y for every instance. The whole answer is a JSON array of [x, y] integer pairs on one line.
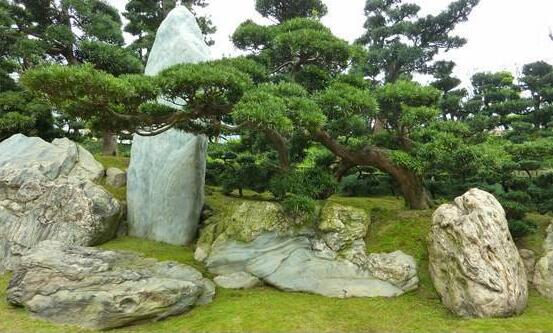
[[411, 184], [109, 143], [281, 146]]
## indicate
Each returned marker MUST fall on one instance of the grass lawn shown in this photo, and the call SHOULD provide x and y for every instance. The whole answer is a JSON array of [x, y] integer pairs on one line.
[[269, 310]]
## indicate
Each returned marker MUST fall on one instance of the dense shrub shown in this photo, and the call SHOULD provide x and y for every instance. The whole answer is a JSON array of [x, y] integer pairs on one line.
[[519, 228], [297, 206]]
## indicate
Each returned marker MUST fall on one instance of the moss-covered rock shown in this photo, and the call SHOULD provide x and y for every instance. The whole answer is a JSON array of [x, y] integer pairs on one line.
[[244, 222], [342, 225]]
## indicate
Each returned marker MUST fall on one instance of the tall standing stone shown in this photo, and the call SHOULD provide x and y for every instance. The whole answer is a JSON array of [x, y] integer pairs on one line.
[[474, 263], [166, 173]]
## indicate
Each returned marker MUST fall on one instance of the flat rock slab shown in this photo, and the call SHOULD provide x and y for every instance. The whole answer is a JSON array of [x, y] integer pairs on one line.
[[474, 263], [100, 289], [47, 193], [290, 264], [323, 254]]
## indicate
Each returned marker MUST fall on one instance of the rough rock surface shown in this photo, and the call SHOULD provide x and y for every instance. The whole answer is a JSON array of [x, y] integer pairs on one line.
[[62, 157], [261, 240], [166, 173], [238, 280], [100, 289], [116, 177], [529, 260], [46, 194], [474, 263], [543, 273]]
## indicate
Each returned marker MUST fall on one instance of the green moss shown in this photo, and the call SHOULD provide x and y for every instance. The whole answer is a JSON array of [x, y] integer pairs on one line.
[[119, 193], [113, 161], [534, 241], [269, 310], [156, 250]]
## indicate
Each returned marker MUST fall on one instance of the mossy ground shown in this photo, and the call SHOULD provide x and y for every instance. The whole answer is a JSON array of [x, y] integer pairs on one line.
[[269, 310]]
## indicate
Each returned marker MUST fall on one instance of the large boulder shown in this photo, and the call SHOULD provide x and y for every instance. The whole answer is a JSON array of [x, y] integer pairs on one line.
[[323, 255], [166, 173], [46, 193], [100, 289], [474, 263]]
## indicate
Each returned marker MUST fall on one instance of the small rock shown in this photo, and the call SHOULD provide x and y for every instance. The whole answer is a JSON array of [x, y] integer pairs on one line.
[[116, 177], [529, 260], [543, 272], [238, 280]]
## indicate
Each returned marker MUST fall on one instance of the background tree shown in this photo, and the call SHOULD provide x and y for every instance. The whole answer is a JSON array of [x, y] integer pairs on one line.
[[451, 101], [400, 42], [537, 79], [497, 98], [283, 10], [145, 17], [19, 111], [70, 32]]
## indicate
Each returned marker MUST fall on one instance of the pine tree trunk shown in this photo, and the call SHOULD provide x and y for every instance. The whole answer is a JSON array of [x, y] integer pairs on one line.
[[109, 144], [411, 184], [415, 194]]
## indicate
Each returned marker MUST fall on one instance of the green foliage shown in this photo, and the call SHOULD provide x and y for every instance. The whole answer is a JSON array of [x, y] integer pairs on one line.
[[109, 58], [313, 182], [299, 205], [406, 161], [520, 228], [283, 10], [21, 113], [400, 42]]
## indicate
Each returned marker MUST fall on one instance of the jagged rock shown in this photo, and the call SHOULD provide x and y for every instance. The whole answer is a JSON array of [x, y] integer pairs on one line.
[[474, 263], [342, 225], [116, 177], [543, 272], [100, 289], [258, 238], [166, 173], [543, 275], [529, 260], [46, 194], [62, 157], [238, 280]]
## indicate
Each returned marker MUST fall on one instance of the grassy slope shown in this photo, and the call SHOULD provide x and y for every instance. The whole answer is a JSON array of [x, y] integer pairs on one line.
[[269, 310]]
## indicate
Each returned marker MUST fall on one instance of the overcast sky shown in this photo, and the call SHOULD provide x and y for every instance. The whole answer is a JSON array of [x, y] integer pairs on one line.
[[502, 34]]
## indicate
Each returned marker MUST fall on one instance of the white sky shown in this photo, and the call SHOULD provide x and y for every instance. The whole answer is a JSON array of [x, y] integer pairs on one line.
[[502, 34]]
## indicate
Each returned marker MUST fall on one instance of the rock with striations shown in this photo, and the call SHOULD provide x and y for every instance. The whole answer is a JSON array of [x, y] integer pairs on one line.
[[322, 255], [474, 263], [99, 289], [47, 193], [165, 181], [543, 271]]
